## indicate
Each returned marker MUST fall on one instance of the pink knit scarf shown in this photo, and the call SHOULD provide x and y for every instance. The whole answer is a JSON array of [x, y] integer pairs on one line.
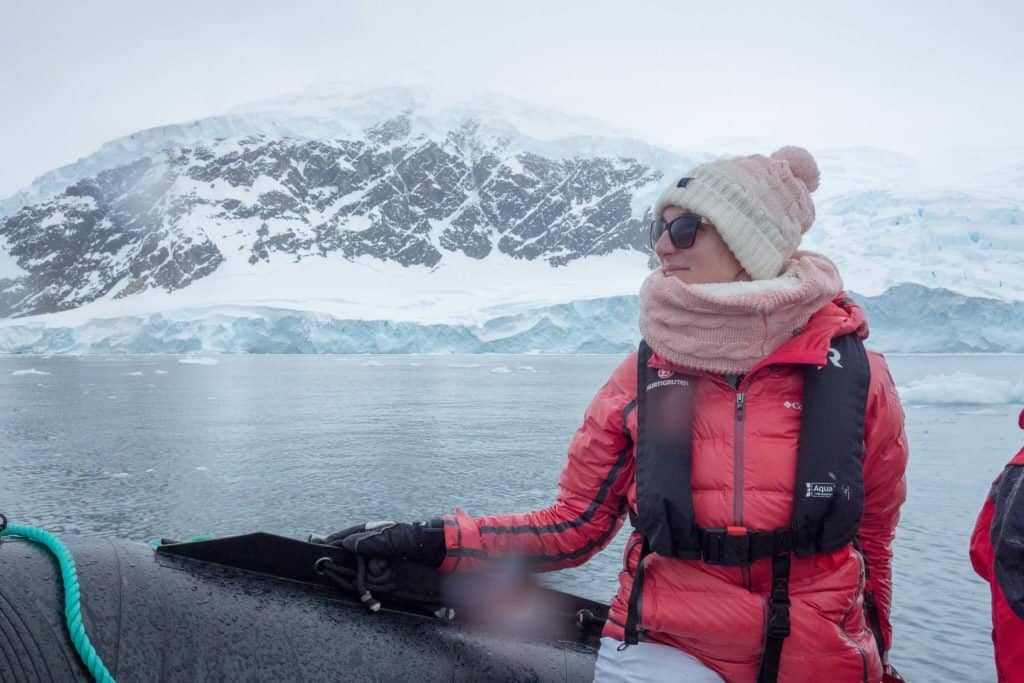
[[729, 327]]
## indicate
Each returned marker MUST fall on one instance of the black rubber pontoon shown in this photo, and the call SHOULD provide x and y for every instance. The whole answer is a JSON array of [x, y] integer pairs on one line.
[[256, 608]]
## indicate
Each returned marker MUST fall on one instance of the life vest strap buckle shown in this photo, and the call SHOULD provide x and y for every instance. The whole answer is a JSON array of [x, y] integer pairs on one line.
[[778, 619], [739, 546], [726, 546]]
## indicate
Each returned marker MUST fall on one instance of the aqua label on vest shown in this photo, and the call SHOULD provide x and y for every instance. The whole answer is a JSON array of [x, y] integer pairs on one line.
[[820, 489]]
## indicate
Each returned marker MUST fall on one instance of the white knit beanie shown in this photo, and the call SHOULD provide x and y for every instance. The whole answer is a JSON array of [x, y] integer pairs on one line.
[[761, 206]]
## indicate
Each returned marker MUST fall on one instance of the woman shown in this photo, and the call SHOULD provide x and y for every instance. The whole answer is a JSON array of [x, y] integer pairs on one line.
[[997, 553], [757, 450]]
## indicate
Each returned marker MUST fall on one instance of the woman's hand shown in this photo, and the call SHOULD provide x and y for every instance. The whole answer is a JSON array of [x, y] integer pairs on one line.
[[421, 542]]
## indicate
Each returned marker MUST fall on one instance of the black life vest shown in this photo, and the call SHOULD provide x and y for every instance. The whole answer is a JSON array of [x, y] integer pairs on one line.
[[828, 496]]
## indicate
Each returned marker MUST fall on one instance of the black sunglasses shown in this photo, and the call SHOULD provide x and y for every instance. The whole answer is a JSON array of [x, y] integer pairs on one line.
[[682, 231]]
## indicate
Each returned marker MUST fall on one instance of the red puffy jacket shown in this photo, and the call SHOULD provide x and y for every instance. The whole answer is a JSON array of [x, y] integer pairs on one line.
[[743, 475], [997, 552]]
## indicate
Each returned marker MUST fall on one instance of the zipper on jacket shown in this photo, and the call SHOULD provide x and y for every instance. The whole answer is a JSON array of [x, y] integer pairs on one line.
[[737, 483]]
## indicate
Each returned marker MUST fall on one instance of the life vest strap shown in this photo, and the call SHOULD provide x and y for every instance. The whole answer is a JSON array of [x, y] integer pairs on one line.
[[633, 607], [778, 626]]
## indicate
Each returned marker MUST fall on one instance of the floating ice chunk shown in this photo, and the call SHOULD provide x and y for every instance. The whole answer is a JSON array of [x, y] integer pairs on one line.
[[500, 370], [134, 374], [30, 371], [198, 360], [159, 372], [962, 388]]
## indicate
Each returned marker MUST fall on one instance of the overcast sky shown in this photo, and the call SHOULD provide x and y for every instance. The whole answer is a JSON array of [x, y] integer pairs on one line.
[[928, 77]]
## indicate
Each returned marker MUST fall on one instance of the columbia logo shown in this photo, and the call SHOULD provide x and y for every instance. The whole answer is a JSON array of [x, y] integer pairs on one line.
[[794, 405]]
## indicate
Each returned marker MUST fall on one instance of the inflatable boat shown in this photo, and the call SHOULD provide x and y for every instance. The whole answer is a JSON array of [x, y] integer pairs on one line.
[[261, 607]]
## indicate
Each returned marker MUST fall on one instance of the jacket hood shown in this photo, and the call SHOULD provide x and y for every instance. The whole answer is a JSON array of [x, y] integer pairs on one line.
[[839, 317]]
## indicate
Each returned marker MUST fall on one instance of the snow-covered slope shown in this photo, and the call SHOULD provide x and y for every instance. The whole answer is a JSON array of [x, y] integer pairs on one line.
[[968, 243], [416, 207]]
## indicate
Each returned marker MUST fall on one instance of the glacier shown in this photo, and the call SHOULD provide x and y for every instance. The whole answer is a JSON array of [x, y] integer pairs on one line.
[[905, 319]]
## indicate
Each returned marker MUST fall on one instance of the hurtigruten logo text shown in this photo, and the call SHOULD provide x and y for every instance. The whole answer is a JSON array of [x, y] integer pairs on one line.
[[676, 382]]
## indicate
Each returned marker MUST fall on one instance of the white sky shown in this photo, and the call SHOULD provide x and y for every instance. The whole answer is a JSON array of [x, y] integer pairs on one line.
[[925, 78]]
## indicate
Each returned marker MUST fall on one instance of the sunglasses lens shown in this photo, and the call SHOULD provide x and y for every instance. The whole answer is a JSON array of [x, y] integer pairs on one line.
[[683, 231], [657, 229]]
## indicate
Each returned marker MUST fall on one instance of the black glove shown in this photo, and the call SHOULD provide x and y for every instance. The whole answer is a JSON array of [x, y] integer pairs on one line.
[[421, 542]]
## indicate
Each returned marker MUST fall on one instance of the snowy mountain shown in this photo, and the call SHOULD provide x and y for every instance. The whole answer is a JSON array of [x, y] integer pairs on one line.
[[433, 223]]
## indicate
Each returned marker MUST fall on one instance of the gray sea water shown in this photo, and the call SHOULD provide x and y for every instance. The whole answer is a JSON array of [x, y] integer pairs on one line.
[[147, 446]]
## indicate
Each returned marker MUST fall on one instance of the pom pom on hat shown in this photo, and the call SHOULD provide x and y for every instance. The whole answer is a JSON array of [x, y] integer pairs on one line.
[[801, 164]]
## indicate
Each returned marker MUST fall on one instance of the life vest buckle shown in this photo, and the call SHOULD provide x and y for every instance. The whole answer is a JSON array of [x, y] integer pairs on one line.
[[778, 618], [729, 546]]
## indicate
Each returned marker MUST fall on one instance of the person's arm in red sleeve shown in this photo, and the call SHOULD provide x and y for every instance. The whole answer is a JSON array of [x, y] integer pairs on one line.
[[590, 505], [885, 489]]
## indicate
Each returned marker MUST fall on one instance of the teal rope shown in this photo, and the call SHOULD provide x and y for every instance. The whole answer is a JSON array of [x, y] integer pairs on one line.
[[72, 605]]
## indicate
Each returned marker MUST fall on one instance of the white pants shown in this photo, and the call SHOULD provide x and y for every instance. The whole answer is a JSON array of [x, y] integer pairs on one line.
[[649, 663]]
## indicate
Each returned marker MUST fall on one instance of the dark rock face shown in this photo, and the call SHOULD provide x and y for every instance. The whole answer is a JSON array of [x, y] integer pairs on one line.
[[168, 221], [116, 229]]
